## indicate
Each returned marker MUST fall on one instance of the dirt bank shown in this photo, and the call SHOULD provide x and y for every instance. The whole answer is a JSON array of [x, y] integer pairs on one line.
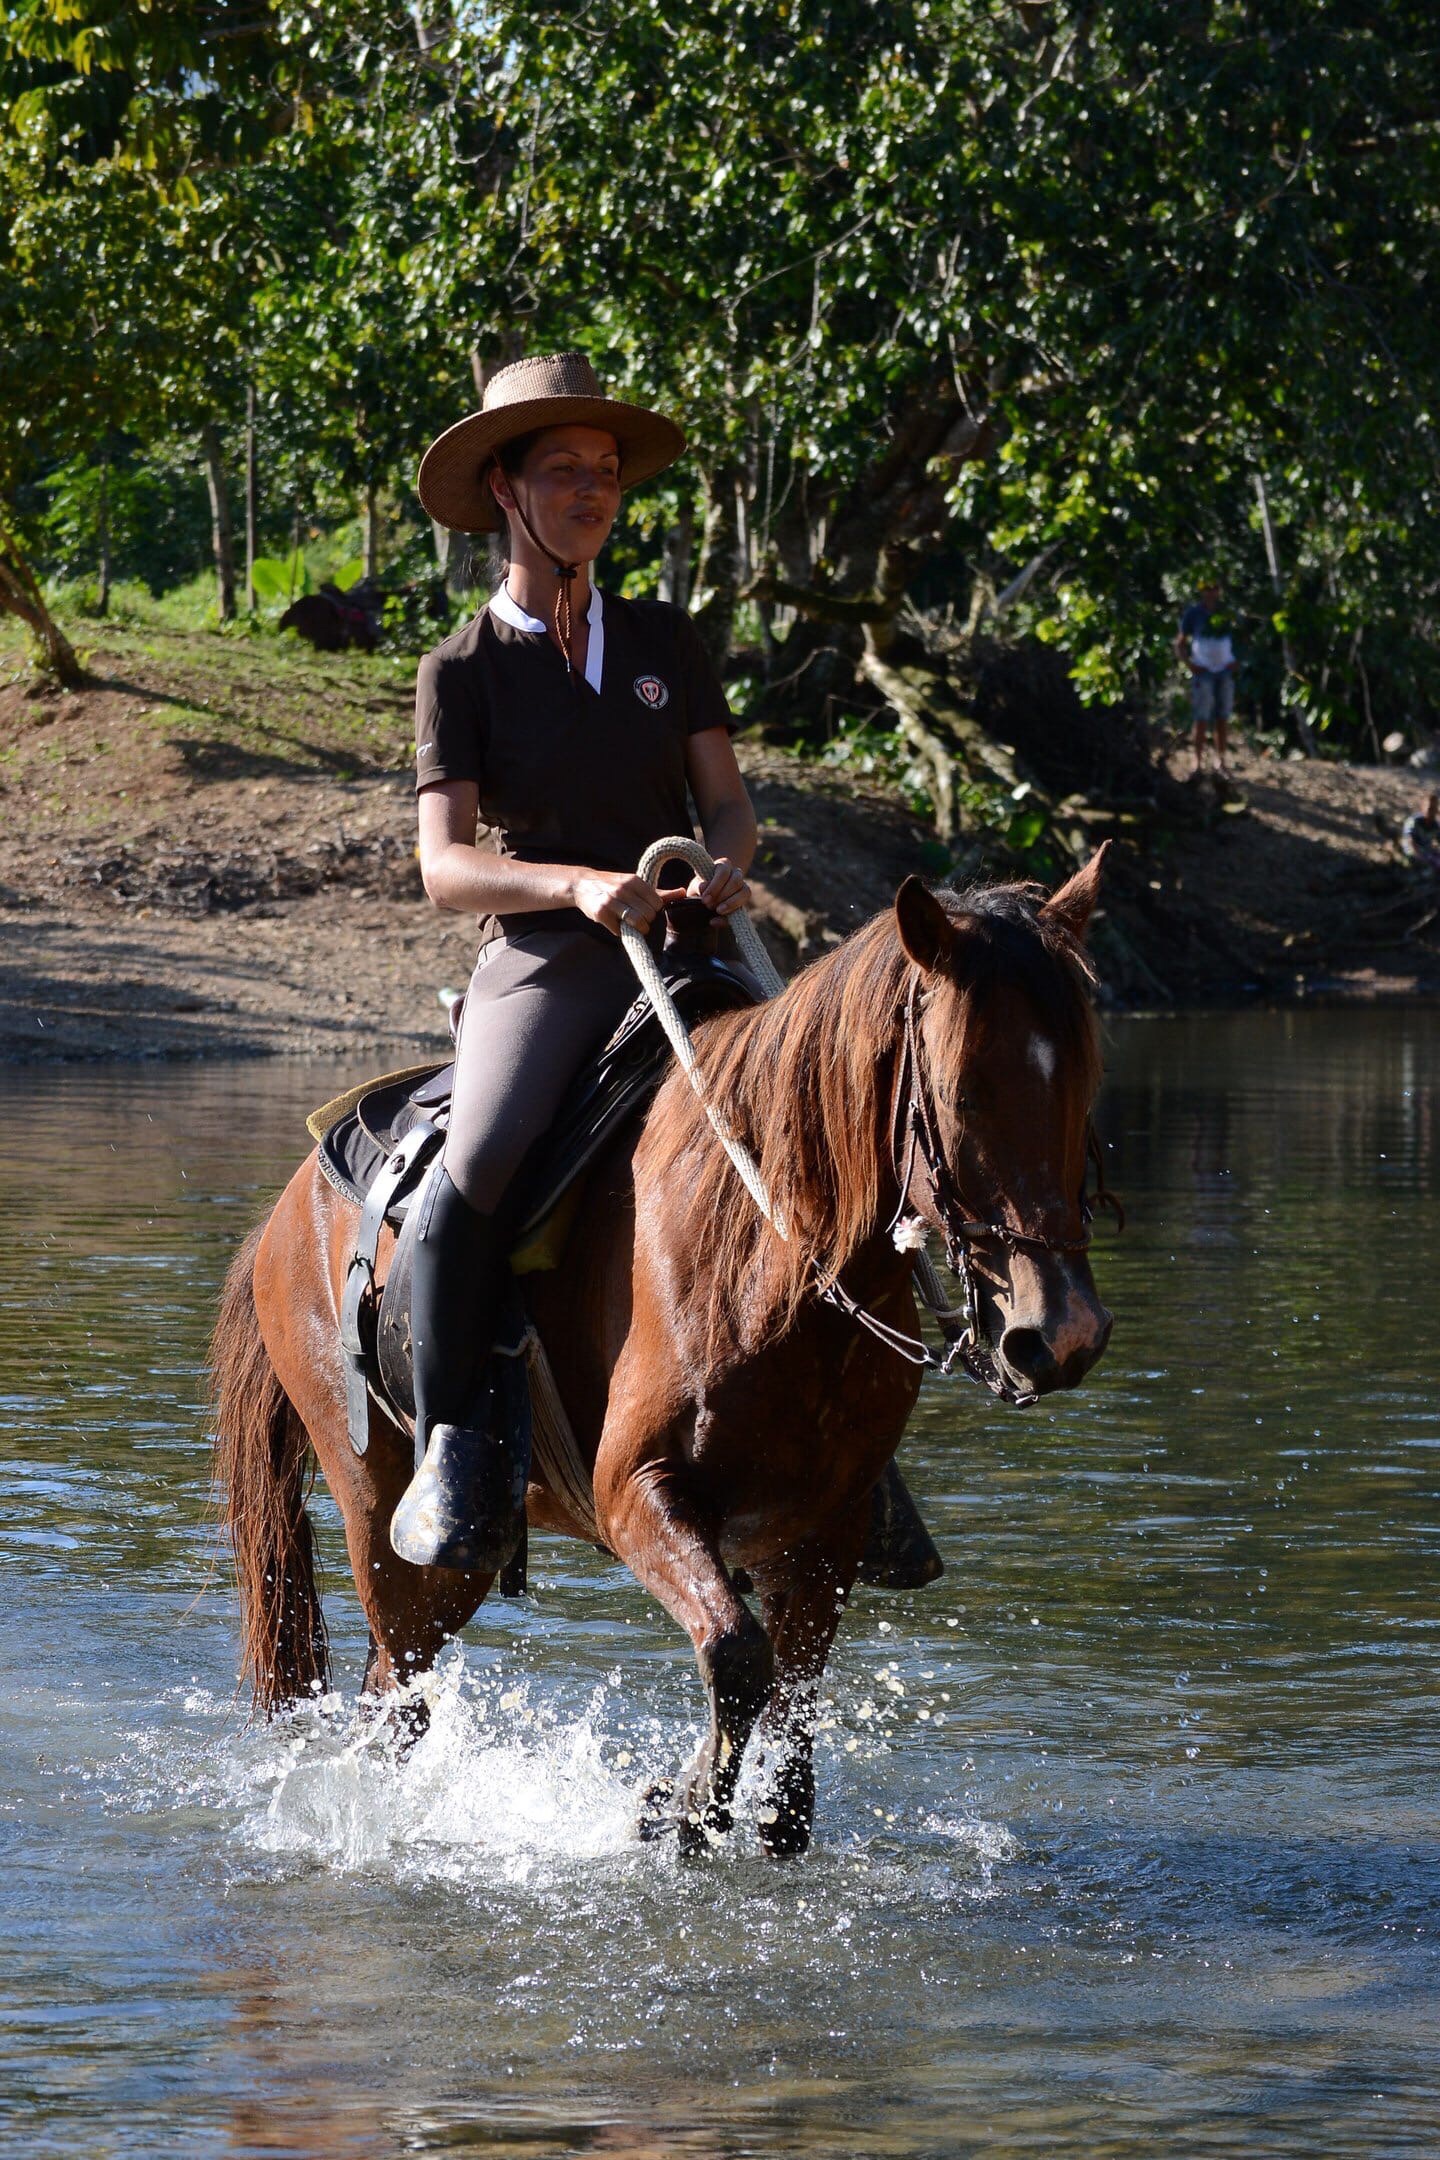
[[209, 852]]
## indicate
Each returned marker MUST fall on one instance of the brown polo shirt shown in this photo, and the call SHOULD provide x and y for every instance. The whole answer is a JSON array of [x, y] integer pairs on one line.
[[566, 773]]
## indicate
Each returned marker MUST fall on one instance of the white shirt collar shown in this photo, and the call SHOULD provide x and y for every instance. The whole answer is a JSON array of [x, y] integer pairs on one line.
[[504, 604]]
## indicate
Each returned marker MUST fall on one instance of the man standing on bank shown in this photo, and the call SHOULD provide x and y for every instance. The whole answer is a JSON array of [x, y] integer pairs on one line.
[[1204, 641]]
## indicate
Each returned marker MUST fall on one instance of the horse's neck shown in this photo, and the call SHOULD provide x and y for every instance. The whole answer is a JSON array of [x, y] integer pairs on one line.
[[870, 1166]]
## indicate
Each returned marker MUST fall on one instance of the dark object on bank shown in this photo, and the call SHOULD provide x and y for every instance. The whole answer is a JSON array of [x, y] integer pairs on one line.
[[334, 621], [330, 622]]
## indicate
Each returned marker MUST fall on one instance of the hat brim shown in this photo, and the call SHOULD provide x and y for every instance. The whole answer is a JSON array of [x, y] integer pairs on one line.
[[452, 485]]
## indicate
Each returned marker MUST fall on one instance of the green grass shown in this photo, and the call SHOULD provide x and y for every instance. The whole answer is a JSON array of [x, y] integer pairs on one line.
[[246, 694]]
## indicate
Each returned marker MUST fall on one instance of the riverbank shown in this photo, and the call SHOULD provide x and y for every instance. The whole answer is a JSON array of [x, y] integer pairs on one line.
[[209, 852]]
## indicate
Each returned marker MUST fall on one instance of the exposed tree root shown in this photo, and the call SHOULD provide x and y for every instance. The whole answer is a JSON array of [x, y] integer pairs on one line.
[[952, 744], [20, 595]]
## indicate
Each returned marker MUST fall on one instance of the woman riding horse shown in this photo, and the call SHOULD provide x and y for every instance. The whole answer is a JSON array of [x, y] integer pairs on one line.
[[571, 724]]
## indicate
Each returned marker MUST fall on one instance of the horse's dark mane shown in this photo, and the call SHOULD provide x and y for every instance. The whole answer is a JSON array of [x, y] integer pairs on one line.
[[806, 1080]]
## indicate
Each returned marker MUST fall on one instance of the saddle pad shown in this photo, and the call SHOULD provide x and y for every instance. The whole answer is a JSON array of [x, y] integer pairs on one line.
[[329, 1114], [356, 1143]]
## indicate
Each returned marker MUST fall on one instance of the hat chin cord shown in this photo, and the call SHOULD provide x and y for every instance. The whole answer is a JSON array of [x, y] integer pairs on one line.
[[565, 572]]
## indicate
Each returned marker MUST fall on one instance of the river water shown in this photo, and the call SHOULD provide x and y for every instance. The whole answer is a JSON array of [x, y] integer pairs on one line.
[[1129, 1835]]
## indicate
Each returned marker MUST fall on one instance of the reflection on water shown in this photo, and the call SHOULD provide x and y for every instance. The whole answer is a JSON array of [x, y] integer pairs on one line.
[[1128, 1831]]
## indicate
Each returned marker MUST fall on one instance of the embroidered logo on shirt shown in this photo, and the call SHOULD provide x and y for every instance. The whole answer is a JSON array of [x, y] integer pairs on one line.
[[651, 691], [424, 749]]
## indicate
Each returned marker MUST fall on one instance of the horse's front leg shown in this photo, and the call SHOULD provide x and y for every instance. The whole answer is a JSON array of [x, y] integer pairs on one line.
[[802, 1601], [651, 1523]]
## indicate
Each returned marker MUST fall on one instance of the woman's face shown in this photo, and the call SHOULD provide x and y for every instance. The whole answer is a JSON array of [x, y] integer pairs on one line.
[[569, 488]]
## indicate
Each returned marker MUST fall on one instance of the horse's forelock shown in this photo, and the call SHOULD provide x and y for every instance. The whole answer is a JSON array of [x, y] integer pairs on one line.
[[1006, 941]]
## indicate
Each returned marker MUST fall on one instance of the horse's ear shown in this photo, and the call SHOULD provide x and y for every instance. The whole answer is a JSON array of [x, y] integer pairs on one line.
[[926, 931], [1074, 904]]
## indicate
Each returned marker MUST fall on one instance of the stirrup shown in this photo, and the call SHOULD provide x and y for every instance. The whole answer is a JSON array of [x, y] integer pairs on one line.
[[899, 1551]]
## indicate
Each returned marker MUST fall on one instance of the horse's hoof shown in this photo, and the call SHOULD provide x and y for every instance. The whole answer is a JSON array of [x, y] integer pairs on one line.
[[694, 1839], [696, 1830], [399, 1721], [458, 1510], [785, 1820], [657, 1816]]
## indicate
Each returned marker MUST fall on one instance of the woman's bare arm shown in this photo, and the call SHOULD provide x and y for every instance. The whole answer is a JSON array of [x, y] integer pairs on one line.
[[727, 818], [459, 876]]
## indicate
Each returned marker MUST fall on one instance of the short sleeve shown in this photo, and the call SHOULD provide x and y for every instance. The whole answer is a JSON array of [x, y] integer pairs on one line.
[[450, 720], [705, 705]]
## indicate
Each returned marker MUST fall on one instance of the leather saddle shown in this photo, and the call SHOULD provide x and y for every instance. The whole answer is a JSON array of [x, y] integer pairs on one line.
[[380, 1144]]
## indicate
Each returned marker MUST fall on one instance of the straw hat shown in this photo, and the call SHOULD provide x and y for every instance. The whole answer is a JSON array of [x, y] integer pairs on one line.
[[554, 390]]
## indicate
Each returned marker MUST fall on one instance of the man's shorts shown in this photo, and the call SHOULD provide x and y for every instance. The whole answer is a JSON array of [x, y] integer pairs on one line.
[[1212, 697]]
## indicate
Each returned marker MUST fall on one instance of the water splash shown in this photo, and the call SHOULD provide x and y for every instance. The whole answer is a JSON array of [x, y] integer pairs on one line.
[[500, 1785]]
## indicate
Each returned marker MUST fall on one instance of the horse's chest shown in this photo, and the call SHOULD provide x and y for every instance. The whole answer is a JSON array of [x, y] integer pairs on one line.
[[785, 1441]]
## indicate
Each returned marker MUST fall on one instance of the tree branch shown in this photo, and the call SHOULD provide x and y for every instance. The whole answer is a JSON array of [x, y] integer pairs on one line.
[[815, 600]]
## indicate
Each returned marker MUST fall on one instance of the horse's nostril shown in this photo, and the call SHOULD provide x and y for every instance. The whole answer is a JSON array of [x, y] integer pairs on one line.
[[1026, 1351]]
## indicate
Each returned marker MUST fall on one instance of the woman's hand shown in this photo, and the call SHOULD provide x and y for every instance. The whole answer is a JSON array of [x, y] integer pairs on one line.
[[614, 897], [724, 890]]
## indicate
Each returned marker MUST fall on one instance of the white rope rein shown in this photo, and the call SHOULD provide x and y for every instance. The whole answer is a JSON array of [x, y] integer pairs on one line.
[[753, 953], [771, 983]]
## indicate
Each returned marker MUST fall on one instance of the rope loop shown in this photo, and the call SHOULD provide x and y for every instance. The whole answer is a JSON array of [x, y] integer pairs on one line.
[[682, 849]]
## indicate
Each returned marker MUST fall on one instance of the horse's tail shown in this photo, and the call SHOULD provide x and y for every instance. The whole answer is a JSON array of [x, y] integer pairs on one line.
[[261, 1467]]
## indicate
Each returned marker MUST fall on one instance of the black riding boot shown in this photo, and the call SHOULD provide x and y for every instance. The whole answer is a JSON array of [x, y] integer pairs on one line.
[[465, 1506], [899, 1552]]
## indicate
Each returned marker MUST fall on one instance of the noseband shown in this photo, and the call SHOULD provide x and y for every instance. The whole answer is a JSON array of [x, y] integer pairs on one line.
[[915, 1136]]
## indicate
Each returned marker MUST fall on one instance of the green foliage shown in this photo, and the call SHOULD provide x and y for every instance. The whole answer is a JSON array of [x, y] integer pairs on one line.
[[279, 579], [868, 751], [947, 282], [155, 514]]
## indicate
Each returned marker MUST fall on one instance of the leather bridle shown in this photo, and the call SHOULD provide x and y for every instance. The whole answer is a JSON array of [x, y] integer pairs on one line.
[[915, 1139]]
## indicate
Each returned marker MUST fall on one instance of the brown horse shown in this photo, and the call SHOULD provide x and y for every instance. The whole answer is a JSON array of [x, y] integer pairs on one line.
[[942, 1064]]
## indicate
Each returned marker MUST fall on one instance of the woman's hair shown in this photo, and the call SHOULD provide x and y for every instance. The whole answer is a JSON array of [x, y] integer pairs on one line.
[[512, 455]]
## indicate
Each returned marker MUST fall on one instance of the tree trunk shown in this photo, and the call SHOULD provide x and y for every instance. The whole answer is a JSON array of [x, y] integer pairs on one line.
[[865, 551], [512, 347], [717, 579], [252, 498], [442, 538], [102, 596], [1367, 708], [675, 558], [222, 537], [952, 743], [20, 595], [1288, 703], [372, 535], [896, 511]]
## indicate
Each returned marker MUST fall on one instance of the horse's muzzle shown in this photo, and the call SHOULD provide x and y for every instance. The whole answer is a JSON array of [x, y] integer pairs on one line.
[[1037, 1364]]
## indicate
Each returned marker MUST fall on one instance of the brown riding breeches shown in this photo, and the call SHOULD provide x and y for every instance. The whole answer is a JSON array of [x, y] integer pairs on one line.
[[539, 1005]]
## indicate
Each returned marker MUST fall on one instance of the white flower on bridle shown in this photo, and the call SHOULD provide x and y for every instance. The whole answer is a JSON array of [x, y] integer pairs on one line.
[[909, 1234]]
